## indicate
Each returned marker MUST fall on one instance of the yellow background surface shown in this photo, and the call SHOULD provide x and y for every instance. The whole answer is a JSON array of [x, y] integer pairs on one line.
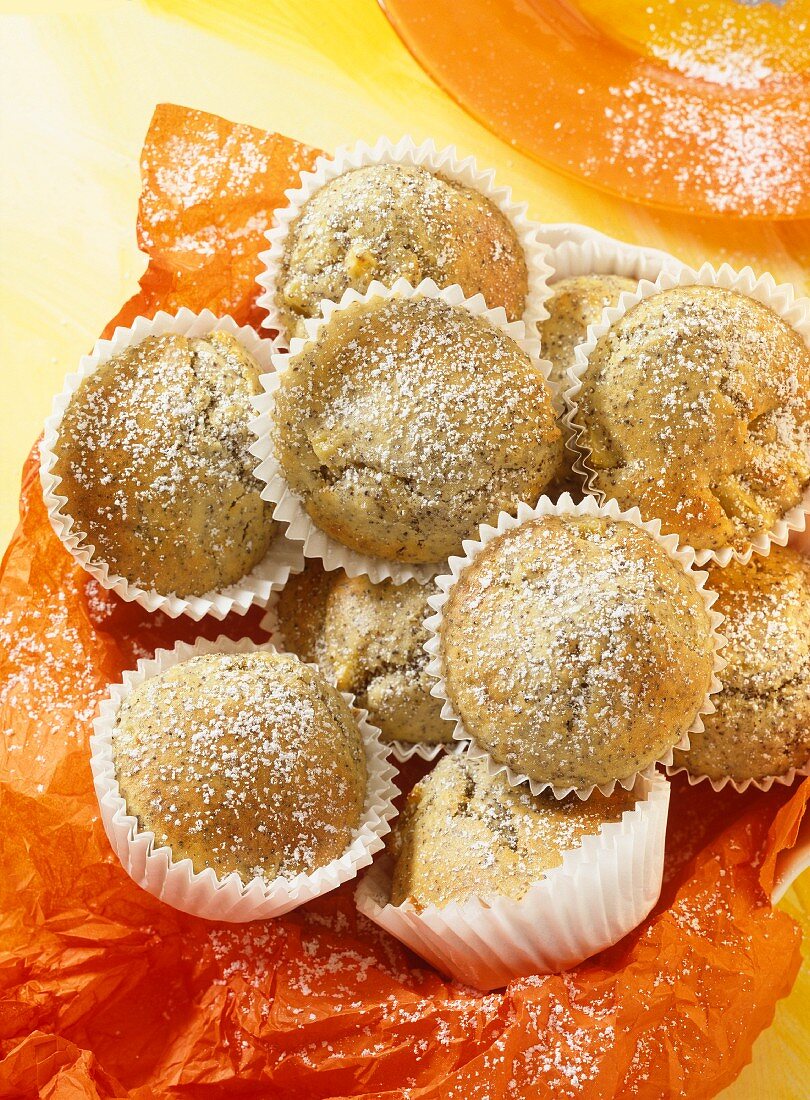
[[79, 83]]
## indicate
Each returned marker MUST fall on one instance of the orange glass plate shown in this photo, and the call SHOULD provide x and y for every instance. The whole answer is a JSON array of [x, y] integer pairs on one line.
[[702, 107]]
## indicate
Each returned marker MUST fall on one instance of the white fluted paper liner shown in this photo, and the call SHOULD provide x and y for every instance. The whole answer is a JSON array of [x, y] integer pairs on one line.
[[283, 555], [204, 893], [593, 253], [601, 891], [781, 298], [740, 785], [598, 254], [400, 750], [683, 556], [406, 152], [289, 506], [578, 250], [403, 751]]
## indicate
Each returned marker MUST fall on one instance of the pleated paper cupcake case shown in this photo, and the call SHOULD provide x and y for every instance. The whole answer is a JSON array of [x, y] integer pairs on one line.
[[780, 298], [684, 556], [405, 151], [256, 586], [203, 893], [602, 890]]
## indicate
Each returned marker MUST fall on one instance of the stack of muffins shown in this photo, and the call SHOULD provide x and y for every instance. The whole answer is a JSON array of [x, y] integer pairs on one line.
[[489, 465]]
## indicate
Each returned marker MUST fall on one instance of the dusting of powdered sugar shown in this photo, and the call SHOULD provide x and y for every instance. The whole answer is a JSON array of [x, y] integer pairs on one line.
[[388, 221], [153, 454], [248, 759], [576, 646], [435, 415], [698, 395]]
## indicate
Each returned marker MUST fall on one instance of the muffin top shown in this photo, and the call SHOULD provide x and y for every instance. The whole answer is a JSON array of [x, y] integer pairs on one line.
[[575, 650], [408, 422], [696, 407], [388, 221], [154, 461], [762, 723], [367, 639], [464, 833], [245, 762], [577, 302]]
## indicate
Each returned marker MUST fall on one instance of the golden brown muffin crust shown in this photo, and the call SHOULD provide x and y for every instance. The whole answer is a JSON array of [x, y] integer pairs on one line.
[[368, 639], [762, 723], [242, 762], [464, 833], [576, 302], [389, 221], [575, 650], [301, 612], [409, 422], [696, 407], [154, 461]]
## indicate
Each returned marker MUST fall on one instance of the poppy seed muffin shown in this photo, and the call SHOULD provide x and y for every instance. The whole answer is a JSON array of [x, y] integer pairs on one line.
[[246, 762], [696, 407], [408, 422], [464, 833], [762, 723], [387, 221], [576, 302], [367, 639], [153, 459], [575, 651]]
